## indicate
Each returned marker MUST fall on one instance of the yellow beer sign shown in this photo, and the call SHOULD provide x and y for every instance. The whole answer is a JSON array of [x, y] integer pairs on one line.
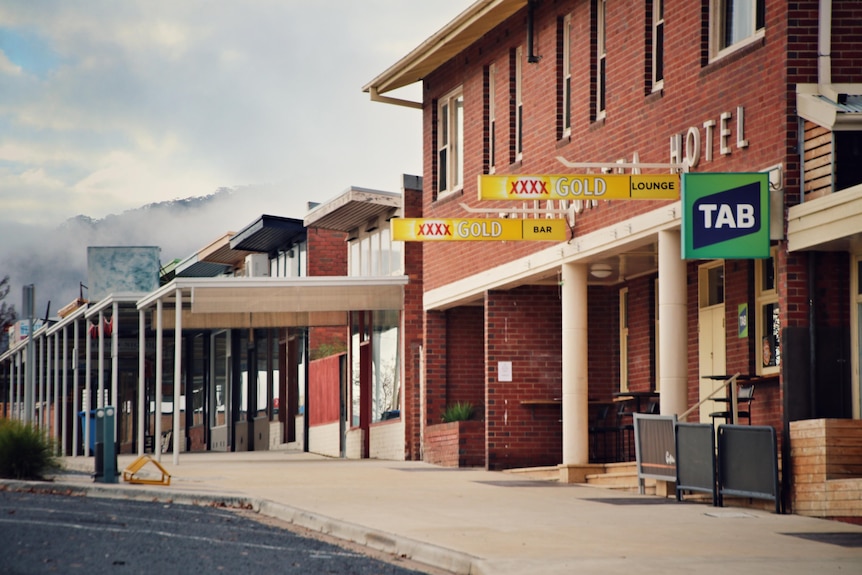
[[579, 187], [469, 229]]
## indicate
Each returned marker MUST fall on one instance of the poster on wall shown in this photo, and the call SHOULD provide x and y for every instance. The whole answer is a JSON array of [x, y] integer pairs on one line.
[[725, 216]]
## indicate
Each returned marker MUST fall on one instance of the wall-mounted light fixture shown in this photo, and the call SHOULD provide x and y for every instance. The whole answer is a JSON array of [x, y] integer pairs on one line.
[[601, 270]]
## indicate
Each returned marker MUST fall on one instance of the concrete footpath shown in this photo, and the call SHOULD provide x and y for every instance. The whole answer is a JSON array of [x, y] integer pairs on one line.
[[472, 521]]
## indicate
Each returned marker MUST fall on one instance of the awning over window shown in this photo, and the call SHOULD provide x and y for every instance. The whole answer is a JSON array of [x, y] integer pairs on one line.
[[837, 106], [212, 303]]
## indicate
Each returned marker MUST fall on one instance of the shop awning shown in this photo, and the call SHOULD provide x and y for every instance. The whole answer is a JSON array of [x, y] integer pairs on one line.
[[212, 303]]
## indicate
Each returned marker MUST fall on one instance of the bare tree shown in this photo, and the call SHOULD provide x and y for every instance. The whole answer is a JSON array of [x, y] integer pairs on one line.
[[8, 315]]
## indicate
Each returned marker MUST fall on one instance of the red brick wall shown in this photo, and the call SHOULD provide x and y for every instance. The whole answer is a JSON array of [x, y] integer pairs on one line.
[[604, 359], [456, 444], [413, 326], [327, 253], [522, 326], [465, 332], [641, 340]]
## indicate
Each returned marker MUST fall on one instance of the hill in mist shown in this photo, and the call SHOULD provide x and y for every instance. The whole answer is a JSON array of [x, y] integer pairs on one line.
[[55, 259]]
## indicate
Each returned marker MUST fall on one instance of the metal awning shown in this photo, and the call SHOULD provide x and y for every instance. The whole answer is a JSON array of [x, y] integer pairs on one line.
[[268, 234], [354, 208], [211, 303], [837, 107]]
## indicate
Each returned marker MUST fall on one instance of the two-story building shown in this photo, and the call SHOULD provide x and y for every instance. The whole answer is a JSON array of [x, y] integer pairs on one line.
[[540, 333]]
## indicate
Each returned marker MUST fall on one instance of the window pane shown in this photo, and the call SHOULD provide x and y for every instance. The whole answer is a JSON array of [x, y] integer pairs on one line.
[[457, 156], [771, 336], [716, 286], [659, 52], [739, 20], [443, 169], [385, 366], [768, 276]]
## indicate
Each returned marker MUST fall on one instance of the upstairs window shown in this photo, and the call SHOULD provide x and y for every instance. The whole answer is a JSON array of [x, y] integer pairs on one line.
[[657, 45], [566, 77], [492, 118], [450, 135], [601, 60], [734, 23], [518, 105]]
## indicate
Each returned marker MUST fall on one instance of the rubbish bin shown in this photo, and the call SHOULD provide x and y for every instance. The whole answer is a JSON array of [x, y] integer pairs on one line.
[[82, 415]]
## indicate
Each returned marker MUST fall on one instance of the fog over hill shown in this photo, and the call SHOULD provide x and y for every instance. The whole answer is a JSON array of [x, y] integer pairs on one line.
[[54, 259]]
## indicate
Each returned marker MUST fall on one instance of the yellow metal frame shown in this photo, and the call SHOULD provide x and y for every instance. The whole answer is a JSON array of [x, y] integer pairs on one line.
[[138, 464]]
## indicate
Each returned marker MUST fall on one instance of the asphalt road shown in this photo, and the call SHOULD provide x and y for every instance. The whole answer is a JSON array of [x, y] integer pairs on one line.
[[42, 533]]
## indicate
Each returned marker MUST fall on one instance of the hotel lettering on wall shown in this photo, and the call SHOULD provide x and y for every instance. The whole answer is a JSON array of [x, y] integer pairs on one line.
[[691, 147]]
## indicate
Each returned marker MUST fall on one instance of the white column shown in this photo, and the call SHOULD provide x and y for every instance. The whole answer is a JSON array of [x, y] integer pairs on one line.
[[88, 378], [64, 417], [142, 378], [157, 432], [75, 387], [101, 379], [40, 383], [56, 382], [576, 443], [16, 378], [178, 372], [115, 368], [673, 330]]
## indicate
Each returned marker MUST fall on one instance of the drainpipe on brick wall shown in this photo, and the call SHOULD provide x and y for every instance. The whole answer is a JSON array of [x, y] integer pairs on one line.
[[824, 44]]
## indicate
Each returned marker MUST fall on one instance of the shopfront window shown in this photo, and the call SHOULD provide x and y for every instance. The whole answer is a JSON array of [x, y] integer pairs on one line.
[[768, 327], [385, 385]]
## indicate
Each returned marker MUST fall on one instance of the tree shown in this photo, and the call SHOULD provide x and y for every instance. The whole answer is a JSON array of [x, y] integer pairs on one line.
[[8, 315]]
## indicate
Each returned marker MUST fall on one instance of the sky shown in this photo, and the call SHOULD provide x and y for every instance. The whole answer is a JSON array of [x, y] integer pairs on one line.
[[109, 105]]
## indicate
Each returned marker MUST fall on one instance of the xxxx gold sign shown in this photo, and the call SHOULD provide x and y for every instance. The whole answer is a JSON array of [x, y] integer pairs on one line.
[[580, 187], [458, 229]]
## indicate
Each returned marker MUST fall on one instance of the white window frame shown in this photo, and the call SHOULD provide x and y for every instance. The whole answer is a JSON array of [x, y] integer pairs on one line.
[[519, 104], [657, 39], [567, 76], [765, 297], [718, 48], [492, 118], [374, 253], [601, 60], [450, 135]]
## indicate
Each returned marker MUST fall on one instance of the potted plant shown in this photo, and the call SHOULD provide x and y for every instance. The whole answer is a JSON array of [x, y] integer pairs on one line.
[[458, 411]]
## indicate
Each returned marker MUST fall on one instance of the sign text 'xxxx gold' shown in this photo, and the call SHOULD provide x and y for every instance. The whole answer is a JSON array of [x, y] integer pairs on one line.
[[579, 187], [460, 229]]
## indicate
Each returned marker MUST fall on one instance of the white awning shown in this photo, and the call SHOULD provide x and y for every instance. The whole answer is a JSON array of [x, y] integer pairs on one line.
[[211, 303]]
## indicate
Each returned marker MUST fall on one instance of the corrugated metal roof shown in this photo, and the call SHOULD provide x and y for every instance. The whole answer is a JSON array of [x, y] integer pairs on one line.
[[852, 104], [193, 267], [268, 234], [352, 209]]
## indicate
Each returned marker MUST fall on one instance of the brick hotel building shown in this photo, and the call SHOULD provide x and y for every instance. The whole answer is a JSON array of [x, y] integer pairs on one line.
[[537, 334]]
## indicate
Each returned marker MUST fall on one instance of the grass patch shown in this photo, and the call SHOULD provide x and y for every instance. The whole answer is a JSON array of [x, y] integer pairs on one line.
[[25, 452]]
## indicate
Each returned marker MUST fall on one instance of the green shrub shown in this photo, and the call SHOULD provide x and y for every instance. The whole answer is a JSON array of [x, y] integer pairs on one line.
[[25, 452], [459, 411]]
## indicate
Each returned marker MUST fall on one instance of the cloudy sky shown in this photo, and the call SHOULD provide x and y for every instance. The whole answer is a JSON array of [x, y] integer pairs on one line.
[[108, 105]]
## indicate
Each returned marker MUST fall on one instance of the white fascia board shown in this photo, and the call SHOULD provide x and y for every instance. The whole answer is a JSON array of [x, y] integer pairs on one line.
[[585, 248]]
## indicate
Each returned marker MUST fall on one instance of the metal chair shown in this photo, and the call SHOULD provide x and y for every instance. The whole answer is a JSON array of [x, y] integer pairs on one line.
[[743, 404], [600, 429]]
